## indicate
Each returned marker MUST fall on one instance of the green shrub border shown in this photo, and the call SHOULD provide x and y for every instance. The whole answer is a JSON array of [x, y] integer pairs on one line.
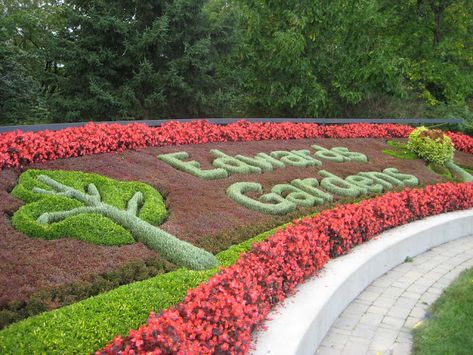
[[60, 296], [89, 324]]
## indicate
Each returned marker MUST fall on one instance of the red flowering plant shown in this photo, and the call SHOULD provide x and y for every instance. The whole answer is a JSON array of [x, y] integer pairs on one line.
[[220, 315], [20, 148]]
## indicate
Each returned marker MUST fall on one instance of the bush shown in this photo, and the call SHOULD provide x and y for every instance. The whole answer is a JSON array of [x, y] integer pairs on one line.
[[431, 145]]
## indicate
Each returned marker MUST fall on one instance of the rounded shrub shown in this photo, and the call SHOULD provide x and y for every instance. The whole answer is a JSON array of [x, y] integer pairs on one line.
[[431, 145]]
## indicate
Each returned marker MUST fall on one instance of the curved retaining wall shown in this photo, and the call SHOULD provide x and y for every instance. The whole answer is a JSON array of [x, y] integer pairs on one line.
[[301, 322]]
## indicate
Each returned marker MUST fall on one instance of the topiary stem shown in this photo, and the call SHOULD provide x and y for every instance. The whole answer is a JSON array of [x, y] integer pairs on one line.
[[464, 175]]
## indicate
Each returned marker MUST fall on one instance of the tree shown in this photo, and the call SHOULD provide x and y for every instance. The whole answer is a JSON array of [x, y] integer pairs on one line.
[[136, 59], [19, 101], [28, 34], [437, 43], [312, 58]]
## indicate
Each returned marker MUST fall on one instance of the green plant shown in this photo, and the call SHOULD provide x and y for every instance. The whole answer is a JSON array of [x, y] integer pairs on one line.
[[328, 154], [350, 156], [442, 170], [437, 149], [431, 145], [464, 175], [89, 324], [310, 185], [226, 165], [232, 165], [300, 158], [295, 195], [364, 182], [81, 194], [55, 297], [338, 186], [467, 168], [284, 198], [400, 151], [406, 179], [262, 160]]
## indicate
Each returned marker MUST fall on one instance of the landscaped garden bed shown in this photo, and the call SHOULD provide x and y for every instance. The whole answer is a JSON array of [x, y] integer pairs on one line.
[[84, 212]]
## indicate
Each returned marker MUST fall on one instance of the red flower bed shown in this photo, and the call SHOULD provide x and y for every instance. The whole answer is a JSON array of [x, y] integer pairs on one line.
[[18, 148], [219, 316]]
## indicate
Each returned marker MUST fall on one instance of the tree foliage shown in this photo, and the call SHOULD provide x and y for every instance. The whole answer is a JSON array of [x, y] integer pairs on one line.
[[27, 40], [101, 59], [437, 40], [136, 59], [310, 58]]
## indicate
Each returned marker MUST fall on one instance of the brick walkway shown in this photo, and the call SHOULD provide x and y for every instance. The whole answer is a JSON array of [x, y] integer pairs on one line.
[[380, 320]]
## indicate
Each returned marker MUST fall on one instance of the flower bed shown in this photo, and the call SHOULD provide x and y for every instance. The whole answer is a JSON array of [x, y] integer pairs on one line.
[[219, 316], [19, 148]]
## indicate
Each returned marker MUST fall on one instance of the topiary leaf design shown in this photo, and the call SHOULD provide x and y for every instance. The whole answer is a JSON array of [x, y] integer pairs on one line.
[[99, 210]]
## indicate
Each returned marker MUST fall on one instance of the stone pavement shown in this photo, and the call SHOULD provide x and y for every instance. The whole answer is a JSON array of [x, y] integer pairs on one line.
[[380, 319]]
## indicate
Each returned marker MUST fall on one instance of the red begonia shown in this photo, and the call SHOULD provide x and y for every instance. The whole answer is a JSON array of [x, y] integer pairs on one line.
[[20, 148]]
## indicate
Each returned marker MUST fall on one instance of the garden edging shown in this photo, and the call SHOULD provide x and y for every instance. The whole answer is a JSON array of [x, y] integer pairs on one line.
[[299, 324]]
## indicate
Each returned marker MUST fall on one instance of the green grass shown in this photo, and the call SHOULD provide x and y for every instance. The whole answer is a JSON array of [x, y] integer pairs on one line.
[[92, 228], [400, 151], [88, 325], [450, 328]]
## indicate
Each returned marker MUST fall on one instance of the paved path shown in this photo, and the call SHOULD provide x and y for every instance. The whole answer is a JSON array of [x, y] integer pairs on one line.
[[380, 320]]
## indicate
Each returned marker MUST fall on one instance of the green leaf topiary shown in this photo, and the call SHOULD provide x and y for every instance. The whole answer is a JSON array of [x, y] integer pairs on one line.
[[100, 210]]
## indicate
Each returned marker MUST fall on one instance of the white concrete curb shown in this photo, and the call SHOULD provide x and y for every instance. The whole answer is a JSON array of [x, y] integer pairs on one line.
[[301, 322]]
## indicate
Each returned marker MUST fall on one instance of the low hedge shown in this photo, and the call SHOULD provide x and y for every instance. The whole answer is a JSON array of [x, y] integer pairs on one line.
[[63, 295], [86, 325]]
